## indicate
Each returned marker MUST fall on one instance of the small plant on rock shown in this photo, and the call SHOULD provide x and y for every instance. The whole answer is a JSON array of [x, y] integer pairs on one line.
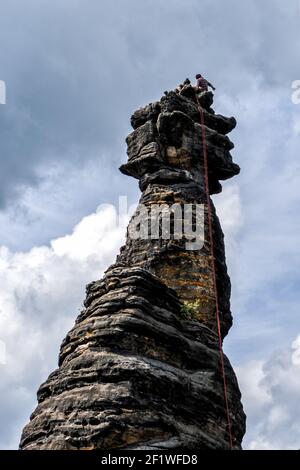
[[189, 310]]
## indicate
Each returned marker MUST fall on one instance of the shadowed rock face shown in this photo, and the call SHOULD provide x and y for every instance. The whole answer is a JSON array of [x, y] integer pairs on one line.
[[136, 372]]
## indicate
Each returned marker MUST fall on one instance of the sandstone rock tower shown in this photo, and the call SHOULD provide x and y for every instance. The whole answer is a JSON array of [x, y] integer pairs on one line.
[[141, 367]]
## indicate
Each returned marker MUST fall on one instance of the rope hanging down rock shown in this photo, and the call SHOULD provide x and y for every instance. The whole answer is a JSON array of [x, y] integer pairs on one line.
[[213, 267]]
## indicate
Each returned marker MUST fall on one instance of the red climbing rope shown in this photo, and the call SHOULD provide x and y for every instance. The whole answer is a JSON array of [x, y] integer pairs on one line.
[[213, 265]]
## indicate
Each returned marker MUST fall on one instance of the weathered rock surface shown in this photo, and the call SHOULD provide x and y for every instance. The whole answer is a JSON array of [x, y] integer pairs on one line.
[[134, 372], [165, 152]]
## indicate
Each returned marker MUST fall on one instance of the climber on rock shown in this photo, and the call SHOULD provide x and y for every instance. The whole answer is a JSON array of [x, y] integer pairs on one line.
[[180, 87], [202, 83]]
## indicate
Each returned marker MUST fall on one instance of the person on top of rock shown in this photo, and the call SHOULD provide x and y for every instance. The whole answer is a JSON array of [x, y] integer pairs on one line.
[[202, 83], [186, 82]]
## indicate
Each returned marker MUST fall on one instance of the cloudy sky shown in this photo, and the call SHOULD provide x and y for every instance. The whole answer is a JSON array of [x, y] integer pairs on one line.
[[75, 71]]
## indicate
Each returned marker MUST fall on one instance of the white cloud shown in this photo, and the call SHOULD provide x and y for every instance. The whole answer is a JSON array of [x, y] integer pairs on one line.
[[296, 126], [42, 288], [271, 391], [65, 195], [229, 209], [41, 292], [230, 212], [90, 237]]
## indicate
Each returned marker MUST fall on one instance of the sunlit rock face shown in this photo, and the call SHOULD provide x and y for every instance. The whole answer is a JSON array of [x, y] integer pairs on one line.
[[141, 367]]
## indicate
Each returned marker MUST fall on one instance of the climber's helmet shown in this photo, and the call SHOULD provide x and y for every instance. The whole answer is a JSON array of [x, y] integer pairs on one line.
[[198, 75]]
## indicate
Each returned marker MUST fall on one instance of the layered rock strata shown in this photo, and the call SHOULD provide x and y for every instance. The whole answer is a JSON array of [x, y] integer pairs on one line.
[[141, 367]]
